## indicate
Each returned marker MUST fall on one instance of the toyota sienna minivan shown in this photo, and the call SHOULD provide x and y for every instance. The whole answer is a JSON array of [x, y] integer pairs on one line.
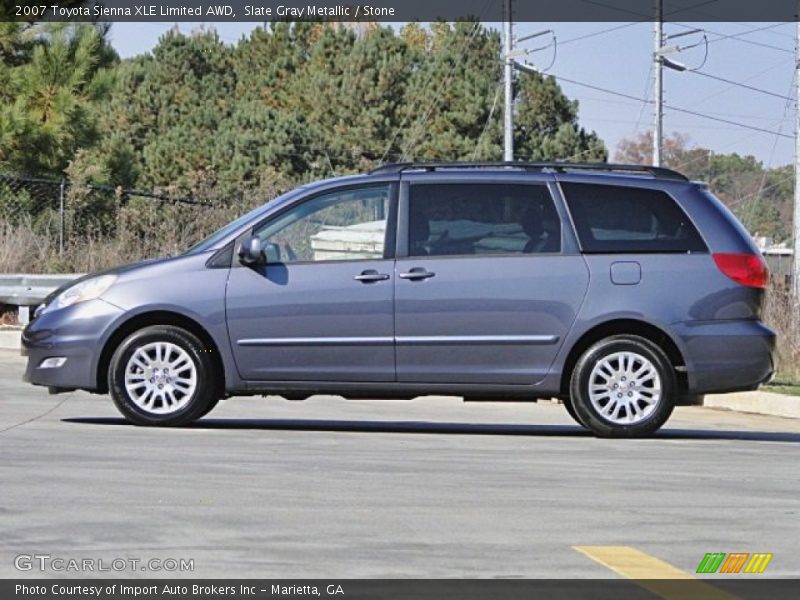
[[622, 290]]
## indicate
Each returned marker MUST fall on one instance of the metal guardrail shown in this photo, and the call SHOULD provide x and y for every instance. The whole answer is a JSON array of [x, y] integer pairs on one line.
[[30, 290]]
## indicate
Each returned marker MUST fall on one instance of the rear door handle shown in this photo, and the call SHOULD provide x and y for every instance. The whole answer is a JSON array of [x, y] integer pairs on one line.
[[371, 276], [416, 274]]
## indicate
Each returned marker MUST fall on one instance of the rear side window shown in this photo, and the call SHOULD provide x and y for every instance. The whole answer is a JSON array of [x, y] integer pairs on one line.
[[613, 219], [482, 219]]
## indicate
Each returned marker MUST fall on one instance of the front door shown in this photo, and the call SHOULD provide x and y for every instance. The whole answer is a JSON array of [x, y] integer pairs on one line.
[[485, 293], [322, 309]]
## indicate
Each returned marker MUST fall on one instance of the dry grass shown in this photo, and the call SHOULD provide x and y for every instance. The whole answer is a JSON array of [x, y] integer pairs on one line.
[[139, 231], [781, 313]]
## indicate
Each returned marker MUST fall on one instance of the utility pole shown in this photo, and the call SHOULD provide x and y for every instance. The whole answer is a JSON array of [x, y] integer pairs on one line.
[[796, 221], [508, 116], [658, 92]]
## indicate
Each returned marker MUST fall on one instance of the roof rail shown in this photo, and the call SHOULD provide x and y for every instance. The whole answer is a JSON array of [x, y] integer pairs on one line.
[[558, 167]]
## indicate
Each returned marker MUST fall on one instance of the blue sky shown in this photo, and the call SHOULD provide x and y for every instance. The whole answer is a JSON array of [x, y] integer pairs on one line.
[[617, 56]]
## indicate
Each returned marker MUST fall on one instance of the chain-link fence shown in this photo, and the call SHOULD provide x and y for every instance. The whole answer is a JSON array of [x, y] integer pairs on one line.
[[58, 226]]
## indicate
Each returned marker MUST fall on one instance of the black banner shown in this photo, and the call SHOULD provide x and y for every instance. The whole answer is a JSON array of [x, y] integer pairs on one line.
[[396, 10], [419, 589]]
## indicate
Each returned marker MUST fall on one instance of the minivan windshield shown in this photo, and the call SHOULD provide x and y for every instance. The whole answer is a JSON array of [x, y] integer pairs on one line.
[[220, 233], [226, 230]]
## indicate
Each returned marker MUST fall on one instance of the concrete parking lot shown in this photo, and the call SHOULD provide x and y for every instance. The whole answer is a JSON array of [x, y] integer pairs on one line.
[[426, 488]]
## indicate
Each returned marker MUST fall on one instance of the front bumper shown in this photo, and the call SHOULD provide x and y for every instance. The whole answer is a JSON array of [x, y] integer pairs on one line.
[[76, 333], [727, 356]]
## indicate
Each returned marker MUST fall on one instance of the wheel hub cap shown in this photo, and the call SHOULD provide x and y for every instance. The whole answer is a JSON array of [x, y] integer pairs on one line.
[[624, 388], [160, 378]]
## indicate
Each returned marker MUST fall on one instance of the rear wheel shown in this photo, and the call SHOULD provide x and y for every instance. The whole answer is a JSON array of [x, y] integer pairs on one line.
[[623, 386], [162, 375]]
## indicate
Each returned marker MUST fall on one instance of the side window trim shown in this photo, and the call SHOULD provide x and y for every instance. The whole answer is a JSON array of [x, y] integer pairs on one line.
[[389, 233]]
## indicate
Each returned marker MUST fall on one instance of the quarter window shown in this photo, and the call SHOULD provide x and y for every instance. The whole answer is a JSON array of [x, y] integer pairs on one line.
[[613, 219], [343, 225], [482, 219]]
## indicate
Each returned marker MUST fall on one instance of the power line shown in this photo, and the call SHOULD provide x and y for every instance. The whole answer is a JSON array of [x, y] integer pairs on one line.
[[645, 94], [585, 100], [602, 32], [709, 151], [735, 123], [686, 125], [645, 17], [760, 73], [488, 121], [741, 85], [737, 38], [673, 108]]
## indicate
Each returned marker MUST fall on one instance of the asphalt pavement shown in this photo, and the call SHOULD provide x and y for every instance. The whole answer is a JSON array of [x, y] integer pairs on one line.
[[265, 487]]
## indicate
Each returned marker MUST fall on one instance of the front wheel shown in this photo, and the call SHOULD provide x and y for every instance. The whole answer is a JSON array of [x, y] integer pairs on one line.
[[571, 411], [623, 386], [162, 375]]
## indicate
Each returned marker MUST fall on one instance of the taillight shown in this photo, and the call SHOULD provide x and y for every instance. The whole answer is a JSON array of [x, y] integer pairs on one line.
[[746, 269]]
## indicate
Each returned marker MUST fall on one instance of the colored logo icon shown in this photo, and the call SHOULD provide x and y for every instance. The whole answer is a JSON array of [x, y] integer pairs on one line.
[[736, 562]]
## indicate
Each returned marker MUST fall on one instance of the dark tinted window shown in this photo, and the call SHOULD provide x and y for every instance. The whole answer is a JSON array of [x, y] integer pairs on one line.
[[456, 219], [622, 219]]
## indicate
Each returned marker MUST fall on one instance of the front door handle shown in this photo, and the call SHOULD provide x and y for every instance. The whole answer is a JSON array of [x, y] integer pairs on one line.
[[417, 273], [371, 276]]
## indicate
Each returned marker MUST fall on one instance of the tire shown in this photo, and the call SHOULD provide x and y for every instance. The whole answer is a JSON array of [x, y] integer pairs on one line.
[[166, 356], [633, 407], [210, 407], [571, 411]]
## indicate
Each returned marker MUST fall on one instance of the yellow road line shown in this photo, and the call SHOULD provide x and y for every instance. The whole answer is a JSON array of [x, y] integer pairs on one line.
[[652, 574]]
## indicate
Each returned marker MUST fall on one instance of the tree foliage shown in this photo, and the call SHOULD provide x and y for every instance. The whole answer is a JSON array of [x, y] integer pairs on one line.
[[51, 81], [288, 103]]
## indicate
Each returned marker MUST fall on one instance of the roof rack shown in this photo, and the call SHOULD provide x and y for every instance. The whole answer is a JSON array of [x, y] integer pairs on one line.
[[558, 167]]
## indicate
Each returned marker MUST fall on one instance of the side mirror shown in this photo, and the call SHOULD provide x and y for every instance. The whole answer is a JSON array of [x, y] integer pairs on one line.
[[251, 252]]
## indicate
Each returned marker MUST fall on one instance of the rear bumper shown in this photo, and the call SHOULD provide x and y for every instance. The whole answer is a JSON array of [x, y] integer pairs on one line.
[[75, 333], [726, 356]]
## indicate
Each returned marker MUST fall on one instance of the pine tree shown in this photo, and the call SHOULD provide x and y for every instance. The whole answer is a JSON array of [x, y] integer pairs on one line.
[[49, 88], [546, 124]]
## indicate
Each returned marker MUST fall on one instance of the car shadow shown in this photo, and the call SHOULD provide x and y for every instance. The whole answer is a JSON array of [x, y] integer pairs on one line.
[[433, 427]]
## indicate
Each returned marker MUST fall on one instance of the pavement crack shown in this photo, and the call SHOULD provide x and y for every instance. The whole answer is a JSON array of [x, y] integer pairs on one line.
[[37, 417]]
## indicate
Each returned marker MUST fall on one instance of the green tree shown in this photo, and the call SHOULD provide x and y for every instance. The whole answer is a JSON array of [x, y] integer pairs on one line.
[[49, 88], [455, 74], [546, 124]]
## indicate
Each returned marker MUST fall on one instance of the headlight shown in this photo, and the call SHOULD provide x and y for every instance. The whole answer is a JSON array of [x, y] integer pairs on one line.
[[81, 292]]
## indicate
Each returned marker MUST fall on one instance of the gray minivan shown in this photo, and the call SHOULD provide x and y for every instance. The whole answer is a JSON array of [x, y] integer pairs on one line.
[[623, 290]]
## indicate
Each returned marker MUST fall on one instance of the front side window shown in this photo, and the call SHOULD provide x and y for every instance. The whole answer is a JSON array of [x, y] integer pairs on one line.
[[613, 219], [482, 219], [343, 225]]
